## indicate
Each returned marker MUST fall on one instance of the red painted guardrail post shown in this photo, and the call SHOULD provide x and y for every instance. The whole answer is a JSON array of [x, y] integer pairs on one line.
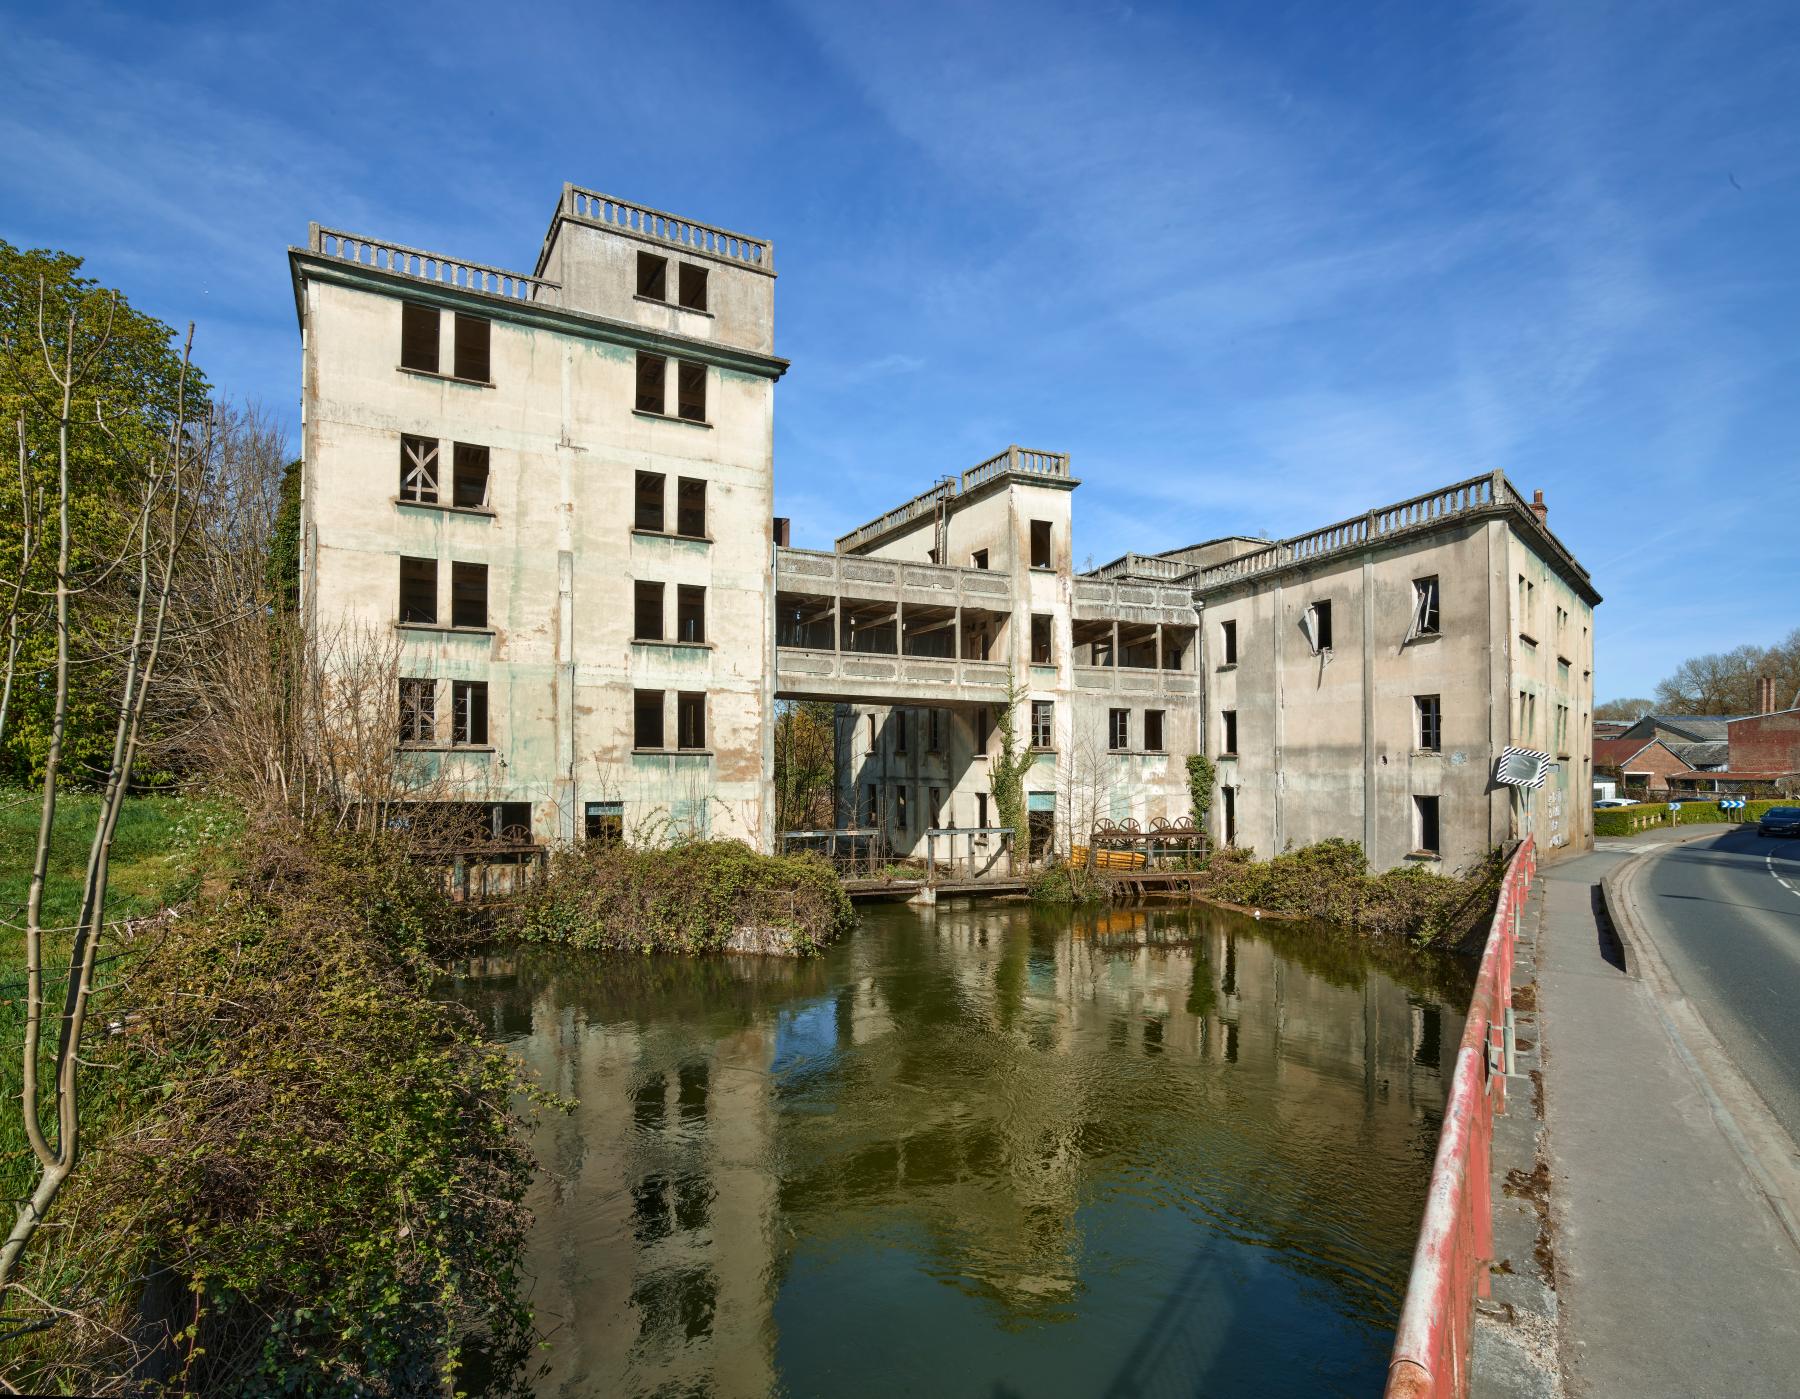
[[1456, 1237]]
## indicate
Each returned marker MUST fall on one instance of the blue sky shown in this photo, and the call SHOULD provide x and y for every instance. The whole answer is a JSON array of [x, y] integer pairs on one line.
[[1256, 266]]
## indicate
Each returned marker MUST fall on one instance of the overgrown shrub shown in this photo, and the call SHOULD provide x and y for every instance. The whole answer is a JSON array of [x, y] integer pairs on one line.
[[689, 898], [313, 1178], [1066, 883], [1624, 820]]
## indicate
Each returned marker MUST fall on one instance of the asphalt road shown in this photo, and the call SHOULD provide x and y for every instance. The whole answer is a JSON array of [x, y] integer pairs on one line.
[[1725, 914]]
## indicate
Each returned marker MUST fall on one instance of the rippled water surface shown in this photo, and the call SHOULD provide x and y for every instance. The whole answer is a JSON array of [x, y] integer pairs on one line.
[[984, 1151]]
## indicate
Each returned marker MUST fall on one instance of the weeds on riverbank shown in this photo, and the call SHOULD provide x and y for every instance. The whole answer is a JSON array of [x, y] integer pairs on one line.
[[1066, 883], [694, 897]]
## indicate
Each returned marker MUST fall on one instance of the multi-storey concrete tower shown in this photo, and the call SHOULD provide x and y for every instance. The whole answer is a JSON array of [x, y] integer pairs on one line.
[[552, 493]]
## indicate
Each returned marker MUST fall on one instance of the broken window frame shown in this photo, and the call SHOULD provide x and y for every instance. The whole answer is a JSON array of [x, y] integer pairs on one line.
[[1426, 618], [468, 601], [690, 287], [472, 349], [418, 710], [469, 713], [646, 610], [420, 338], [690, 391], [1118, 730], [1043, 726], [652, 394], [1315, 622], [642, 513], [471, 471], [419, 469], [1429, 723], [647, 721], [690, 507], [690, 614], [419, 603], [690, 721], [652, 277]]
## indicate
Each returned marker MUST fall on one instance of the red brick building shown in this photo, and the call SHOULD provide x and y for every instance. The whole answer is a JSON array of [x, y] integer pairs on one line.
[[1766, 745], [1639, 767]]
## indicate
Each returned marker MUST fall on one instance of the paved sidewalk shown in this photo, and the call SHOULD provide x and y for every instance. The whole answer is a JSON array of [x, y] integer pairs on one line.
[[1673, 1275]]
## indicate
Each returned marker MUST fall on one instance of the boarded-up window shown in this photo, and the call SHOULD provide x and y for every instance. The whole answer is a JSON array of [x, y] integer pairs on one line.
[[418, 711], [1040, 544], [472, 347], [468, 595], [650, 383], [691, 400], [471, 464], [419, 338], [418, 590], [690, 508], [419, 469], [647, 719], [653, 276], [650, 493], [469, 718], [690, 614], [647, 612], [690, 719], [693, 287]]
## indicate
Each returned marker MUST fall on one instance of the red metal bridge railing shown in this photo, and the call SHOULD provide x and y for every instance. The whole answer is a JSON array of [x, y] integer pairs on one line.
[[1456, 1239]]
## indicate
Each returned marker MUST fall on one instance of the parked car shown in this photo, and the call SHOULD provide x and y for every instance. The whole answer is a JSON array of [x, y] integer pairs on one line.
[[1779, 821], [1604, 802]]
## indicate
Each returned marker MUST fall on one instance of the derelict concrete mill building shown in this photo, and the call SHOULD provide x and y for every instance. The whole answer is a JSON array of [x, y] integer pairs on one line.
[[551, 496]]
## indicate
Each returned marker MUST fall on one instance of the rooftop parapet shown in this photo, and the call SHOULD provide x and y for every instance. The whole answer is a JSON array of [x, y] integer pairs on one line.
[[1147, 566], [440, 268], [1014, 461], [653, 225]]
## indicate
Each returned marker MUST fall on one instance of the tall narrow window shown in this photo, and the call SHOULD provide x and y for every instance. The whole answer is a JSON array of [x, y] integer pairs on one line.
[[690, 614], [1321, 622], [1041, 651], [1228, 736], [647, 719], [872, 808], [418, 590], [693, 287], [934, 731], [690, 508], [934, 808], [981, 814], [605, 823], [1228, 643], [1153, 730], [690, 719], [899, 728], [899, 808], [871, 733], [1229, 809], [647, 611], [1425, 608], [1118, 729], [471, 476], [649, 513], [419, 469], [1040, 544], [472, 347], [418, 711], [1425, 826], [1431, 722], [418, 338], [468, 595], [653, 276], [690, 401], [650, 383], [469, 718], [984, 730], [1043, 724]]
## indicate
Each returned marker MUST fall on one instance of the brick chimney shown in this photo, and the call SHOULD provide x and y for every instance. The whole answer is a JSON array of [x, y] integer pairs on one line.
[[1538, 507], [1765, 695]]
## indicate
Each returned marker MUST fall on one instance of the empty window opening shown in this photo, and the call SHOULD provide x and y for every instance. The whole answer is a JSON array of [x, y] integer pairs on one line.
[[418, 590], [690, 614], [418, 338], [984, 729], [419, 469], [605, 823], [871, 733], [872, 809], [471, 479], [1137, 645], [693, 286], [1041, 652], [468, 595], [653, 276], [899, 727], [690, 719], [1229, 809], [418, 711], [1174, 646], [647, 611], [1425, 826], [469, 715], [979, 559], [1228, 736], [1043, 724], [1317, 625], [1040, 824], [647, 719], [1040, 544], [1118, 729], [1425, 608], [899, 808], [1431, 722], [690, 508], [1228, 643], [934, 808], [1153, 730], [649, 512], [690, 400], [934, 731], [472, 333], [650, 383], [981, 814]]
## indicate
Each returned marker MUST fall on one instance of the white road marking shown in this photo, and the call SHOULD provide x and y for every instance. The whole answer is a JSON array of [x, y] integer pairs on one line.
[[1769, 860]]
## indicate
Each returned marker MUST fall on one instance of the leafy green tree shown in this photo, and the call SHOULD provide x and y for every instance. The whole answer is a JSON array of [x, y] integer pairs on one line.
[[805, 765], [129, 375]]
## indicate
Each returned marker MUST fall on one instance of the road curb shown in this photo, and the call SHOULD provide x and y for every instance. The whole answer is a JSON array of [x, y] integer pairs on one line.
[[1618, 908]]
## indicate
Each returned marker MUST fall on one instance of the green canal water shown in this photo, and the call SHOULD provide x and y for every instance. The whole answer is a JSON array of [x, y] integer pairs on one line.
[[981, 1150]]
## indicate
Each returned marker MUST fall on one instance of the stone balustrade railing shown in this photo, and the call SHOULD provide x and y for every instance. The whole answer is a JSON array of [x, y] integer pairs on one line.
[[604, 209], [1020, 460], [1144, 566], [921, 504], [817, 572], [1016, 459], [431, 267]]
